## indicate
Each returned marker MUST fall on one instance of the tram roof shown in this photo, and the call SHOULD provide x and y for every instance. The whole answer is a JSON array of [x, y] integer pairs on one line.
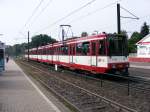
[[74, 40]]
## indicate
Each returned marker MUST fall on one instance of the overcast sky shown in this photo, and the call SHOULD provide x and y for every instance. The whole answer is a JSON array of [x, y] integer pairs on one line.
[[15, 13]]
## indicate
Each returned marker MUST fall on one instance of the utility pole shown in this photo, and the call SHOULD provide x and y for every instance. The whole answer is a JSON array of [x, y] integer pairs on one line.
[[16, 50], [63, 34], [28, 44], [118, 18]]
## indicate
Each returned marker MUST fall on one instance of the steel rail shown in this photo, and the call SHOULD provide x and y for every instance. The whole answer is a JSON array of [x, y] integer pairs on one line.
[[121, 107], [128, 78], [57, 94]]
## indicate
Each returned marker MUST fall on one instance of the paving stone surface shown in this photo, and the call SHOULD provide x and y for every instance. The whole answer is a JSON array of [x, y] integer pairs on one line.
[[18, 95]]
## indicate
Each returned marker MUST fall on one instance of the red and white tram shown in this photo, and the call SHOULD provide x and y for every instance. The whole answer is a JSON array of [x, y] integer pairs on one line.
[[102, 53]]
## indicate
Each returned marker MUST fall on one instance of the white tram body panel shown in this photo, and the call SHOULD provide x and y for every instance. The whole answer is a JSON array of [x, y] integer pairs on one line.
[[84, 62], [102, 61]]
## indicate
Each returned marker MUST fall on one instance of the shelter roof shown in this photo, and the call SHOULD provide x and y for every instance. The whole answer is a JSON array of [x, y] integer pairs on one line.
[[144, 41]]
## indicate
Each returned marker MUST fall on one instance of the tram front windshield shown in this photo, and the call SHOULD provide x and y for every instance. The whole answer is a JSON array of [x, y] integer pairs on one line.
[[117, 45]]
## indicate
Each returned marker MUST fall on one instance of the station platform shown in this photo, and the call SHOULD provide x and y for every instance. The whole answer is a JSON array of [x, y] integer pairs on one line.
[[19, 94], [139, 59], [142, 65]]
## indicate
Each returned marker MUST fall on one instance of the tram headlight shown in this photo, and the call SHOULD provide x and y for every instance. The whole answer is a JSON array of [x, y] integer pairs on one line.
[[127, 65]]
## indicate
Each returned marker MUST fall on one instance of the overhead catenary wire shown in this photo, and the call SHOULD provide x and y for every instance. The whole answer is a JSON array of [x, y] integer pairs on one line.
[[34, 11], [86, 15], [42, 10], [68, 15], [134, 16], [95, 11], [109, 26]]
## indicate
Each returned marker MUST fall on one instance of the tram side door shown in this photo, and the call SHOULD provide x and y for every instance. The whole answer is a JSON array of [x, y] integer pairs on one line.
[[72, 53], [93, 53]]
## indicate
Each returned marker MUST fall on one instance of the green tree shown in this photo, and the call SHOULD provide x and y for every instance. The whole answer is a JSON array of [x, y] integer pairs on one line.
[[135, 37], [40, 40], [16, 50], [19, 49], [144, 30]]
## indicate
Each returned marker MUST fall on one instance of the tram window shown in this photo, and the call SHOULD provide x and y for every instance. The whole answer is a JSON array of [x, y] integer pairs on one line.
[[54, 50], [85, 48], [38, 52], [58, 50], [41, 52], [1, 53], [79, 48], [51, 51], [64, 50], [102, 50], [47, 52], [44, 51], [93, 48]]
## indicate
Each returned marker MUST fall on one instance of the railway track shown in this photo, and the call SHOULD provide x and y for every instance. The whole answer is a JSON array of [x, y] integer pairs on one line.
[[80, 98], [128, 82]]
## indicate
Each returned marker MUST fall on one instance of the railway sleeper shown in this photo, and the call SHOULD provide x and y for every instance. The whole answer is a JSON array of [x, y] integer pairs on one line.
[[83, 98], [91, 104], [88, 102], [77, 98], [95, 108]]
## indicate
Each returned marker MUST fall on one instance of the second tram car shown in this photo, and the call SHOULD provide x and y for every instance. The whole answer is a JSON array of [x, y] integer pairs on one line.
[[102, 53]]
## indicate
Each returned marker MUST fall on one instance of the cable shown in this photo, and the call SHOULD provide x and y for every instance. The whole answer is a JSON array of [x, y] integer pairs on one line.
[[69, 14], [129, 13], [43, 9], [97, 10], [109, 26], [34, 11]]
